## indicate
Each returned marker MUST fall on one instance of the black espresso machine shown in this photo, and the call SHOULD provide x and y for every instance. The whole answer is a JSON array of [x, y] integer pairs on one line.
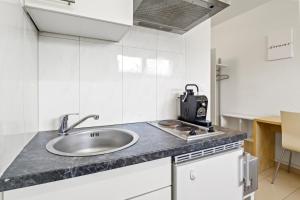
[[193, 108]]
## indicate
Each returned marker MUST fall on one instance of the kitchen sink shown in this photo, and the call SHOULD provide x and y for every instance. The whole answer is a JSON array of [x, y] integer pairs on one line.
[[92, 142]]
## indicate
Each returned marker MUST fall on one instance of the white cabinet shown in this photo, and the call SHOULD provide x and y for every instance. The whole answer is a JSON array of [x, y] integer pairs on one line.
[[102, 19], [212, 178], [163, 194], [136, 181]]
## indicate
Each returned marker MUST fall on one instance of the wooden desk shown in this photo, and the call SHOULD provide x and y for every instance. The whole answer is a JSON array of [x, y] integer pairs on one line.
[[264, 129]]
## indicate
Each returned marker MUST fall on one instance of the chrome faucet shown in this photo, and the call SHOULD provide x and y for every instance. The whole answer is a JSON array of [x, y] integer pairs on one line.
[[63, 127]]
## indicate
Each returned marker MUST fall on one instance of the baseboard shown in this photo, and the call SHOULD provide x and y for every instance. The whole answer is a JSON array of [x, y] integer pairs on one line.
[[293, 168]]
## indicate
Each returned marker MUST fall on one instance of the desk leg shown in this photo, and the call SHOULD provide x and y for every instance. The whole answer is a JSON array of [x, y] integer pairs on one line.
[[264, 147]]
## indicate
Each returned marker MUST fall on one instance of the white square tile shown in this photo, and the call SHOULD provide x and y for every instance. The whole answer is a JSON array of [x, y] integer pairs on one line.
[[170, 42], [294, 196], [11, 89], [139, 85], [141, 38], [30, 78], [101, 82], [171, 73], [11, 68], [58, 80]]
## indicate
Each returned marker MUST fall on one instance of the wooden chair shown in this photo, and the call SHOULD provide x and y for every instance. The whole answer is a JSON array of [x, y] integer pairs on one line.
[[290, 126]]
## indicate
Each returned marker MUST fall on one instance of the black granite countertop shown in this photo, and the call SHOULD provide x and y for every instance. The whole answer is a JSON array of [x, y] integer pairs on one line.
[[35, 165]]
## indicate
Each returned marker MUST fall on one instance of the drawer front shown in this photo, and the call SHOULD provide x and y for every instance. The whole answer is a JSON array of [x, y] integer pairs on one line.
[[163, 194], [117, 184]]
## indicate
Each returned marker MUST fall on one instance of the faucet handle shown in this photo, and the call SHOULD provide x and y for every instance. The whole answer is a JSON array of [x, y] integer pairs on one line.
[[66, 116], [64, 122]]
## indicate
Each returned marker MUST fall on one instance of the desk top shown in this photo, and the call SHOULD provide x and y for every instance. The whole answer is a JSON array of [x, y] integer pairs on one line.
[[275, 120], [239, 116]]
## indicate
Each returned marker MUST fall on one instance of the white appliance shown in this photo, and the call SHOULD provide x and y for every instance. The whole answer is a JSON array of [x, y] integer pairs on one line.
[[219, 173]]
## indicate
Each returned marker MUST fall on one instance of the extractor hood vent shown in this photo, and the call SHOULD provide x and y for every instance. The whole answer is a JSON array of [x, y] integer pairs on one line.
[[178, 16]]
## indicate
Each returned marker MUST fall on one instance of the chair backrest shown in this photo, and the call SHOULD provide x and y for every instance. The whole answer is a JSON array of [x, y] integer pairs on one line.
[[290, 127]]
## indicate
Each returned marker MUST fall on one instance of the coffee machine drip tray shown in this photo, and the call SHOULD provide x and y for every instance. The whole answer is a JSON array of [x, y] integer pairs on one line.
[[184, 130]]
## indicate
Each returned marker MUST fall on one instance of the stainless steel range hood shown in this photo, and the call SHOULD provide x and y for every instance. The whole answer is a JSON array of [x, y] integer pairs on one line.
[[177, 16]]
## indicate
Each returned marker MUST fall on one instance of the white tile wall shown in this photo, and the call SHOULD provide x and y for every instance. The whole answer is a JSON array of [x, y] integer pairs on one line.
[[58, 80], [139, 84], [18, 80], [171, 42], [136, 79], [30, 79], [140, 37], [171, 79], [11, 76], [101, 81]]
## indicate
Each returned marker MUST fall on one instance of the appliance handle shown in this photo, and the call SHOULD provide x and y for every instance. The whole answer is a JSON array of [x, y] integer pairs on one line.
[[247, 170], [241, 171], [192, 85], [185, 96]]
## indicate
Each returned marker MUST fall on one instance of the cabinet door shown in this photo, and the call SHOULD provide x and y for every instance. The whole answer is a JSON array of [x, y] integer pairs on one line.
[[101, 19], [115, 11], [117, 184], [163, 194], [211, 178]]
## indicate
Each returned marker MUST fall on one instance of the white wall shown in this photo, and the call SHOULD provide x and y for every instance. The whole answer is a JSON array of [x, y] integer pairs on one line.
[[256, 86], [134, 80], [18, 80]]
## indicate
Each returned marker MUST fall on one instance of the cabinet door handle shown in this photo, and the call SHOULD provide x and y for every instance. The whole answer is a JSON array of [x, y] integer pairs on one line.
[[69, 1]]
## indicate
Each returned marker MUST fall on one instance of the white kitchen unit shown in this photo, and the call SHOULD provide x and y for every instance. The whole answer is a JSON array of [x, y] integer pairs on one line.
[[101, 19], [145, 181], [215, 177]]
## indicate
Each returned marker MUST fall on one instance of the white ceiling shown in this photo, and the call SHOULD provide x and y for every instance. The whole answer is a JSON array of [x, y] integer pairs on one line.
[[237, 7]]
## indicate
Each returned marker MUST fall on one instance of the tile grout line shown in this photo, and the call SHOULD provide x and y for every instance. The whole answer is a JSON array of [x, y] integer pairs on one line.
[[291, 193], [79, 77], [123, 92], [156, 79], [38, 83], [288, 195]]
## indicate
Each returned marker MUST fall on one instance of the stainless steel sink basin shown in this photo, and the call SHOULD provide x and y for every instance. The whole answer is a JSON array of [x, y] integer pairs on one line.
[[92, 142]]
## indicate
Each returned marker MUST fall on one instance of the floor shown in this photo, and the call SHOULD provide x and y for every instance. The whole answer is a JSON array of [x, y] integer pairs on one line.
[[286, 187]]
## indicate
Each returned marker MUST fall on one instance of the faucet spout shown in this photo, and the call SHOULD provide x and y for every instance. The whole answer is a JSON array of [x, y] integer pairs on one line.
[[64, 129]]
